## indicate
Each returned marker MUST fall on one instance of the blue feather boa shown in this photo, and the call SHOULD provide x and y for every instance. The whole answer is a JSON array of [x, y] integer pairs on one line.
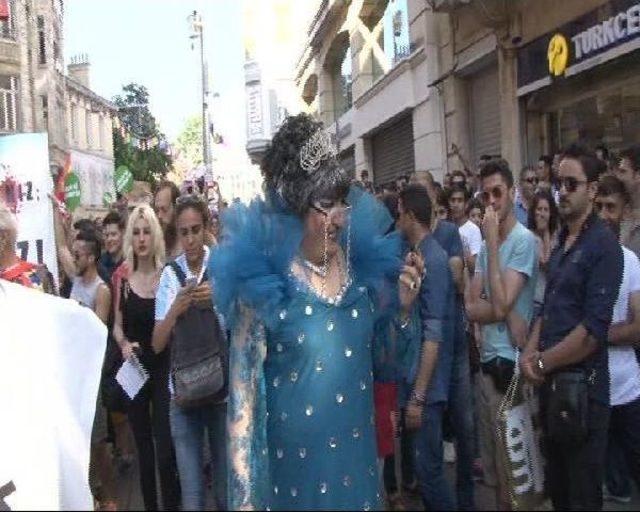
[[260, 241]]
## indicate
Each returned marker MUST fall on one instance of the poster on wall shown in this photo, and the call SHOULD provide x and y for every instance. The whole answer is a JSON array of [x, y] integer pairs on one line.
[[26, 183]]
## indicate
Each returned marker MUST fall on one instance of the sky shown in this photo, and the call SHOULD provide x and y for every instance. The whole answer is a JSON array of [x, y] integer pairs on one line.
[[147, 42]]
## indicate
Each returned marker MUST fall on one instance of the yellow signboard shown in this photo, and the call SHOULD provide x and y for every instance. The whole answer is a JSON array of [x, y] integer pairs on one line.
[[558, 55]]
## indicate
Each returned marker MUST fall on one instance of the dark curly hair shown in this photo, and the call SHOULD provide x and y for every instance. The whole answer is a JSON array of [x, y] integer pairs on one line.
[[284, 176], [553, 211]]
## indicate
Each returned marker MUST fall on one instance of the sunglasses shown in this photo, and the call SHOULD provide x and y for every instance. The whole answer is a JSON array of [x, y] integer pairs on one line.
[[495, 192], [532, 181], [334, 210], [570, 183]]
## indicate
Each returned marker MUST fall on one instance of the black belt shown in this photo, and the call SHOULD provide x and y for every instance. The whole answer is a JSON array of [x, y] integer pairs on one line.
[[501, 372]]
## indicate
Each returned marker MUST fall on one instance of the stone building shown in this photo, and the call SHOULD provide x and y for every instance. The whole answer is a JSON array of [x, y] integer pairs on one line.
[[36, 96], [89, 126], [32, 72]]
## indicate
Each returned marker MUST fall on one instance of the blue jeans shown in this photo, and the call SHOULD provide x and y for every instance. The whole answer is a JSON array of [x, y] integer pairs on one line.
[[461, 414], [188, 428], [428, 454], [626, 435]]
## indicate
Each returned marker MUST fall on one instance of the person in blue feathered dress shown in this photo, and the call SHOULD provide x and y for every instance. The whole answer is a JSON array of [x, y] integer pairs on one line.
[[301, 278]]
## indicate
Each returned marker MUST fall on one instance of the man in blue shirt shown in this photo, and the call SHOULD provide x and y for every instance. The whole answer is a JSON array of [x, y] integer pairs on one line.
[[500, 298], [460, 405], [584, 275], [427, 378], [526, 191]]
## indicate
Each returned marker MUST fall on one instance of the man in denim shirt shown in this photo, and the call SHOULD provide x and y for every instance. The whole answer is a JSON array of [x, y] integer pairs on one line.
[[584, 275], [459, 405], [427, 381]]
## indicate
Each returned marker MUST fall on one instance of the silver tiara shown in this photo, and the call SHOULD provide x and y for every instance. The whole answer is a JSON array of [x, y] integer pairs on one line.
[[319, 147]]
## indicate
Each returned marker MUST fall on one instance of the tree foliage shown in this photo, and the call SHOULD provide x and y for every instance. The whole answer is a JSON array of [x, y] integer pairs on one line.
[[141, 146], [189, 142]]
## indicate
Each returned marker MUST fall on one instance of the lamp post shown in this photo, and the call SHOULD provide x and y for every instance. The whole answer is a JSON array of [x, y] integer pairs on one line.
[[197, 32]]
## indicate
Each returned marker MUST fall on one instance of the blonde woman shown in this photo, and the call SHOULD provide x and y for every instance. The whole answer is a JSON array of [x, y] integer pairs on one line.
[[144, 252]]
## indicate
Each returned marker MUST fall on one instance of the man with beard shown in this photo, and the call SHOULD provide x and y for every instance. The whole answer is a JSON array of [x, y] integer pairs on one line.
[[567, 350], [624, 368], [164, 204]]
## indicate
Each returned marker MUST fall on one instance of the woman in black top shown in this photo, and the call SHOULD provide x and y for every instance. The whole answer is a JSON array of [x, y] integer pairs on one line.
[[133, 329]]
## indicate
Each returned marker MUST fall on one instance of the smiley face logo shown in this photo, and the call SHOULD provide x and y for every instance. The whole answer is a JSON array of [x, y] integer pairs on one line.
[[558, 55]]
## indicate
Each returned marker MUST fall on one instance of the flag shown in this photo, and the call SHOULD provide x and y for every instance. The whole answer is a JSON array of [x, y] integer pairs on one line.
[[62, 177], [4, 9], [50, 373]]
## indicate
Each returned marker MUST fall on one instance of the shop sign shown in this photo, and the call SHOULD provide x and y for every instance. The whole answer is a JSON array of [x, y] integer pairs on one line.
[[598, 36]]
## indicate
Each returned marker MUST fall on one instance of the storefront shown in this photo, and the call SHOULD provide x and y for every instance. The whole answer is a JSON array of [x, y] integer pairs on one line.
[[581, 81], [484, 112], [392, 150]]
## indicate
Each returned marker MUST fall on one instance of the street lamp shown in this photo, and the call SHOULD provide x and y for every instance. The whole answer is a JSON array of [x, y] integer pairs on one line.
[[197, 32]]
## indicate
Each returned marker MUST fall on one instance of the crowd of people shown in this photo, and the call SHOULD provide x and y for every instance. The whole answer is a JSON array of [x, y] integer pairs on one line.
[[549, 260], [360, 330]]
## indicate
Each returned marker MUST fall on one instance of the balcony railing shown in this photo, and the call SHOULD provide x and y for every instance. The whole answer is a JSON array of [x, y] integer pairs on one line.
[[403, 51]]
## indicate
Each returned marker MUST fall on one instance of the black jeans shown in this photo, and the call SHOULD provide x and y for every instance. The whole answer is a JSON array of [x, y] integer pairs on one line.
[[575, 474], [149, 418], [625, 429]]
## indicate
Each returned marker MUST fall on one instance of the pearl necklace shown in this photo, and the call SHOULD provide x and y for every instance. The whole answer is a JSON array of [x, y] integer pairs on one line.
[[316, 269]]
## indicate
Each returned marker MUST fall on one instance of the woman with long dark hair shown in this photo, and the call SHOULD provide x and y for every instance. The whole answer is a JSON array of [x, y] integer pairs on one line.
[[184, 284], [543, 221]]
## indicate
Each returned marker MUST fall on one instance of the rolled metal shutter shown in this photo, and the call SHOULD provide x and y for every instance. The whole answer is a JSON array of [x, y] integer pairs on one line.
[[484, 96], [392, 150], [348, 161]]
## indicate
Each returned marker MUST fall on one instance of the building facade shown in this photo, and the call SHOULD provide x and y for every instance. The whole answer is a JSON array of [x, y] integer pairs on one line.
[[436, 84], [524, 78], [272, 38], [364, 71], [89, 124], [36, 96], [32, 72]]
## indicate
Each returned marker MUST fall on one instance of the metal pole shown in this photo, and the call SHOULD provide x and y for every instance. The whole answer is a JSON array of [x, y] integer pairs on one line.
[[205, 128]]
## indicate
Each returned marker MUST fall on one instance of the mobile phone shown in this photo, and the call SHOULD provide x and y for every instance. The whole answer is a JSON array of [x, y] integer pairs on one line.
[[192, 282]]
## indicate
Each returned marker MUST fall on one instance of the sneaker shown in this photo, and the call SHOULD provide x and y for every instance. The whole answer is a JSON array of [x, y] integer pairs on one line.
[[449, 452], [607, 496]]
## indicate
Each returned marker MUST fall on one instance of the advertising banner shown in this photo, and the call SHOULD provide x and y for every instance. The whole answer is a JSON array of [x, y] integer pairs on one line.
[[26, 184]]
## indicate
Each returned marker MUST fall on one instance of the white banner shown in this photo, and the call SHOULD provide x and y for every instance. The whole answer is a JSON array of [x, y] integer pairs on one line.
[[49, 383], [25, 158], [96, 177]]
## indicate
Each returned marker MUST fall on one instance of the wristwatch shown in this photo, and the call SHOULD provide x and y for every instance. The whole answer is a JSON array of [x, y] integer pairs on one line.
[[418, 398]]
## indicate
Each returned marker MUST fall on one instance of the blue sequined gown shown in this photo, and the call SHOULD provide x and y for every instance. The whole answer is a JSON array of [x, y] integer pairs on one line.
[[322, 450], [301, 424]]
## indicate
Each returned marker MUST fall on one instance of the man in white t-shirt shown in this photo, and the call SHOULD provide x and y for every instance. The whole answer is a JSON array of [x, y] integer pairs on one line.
[[624, 333], [469, 232]]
